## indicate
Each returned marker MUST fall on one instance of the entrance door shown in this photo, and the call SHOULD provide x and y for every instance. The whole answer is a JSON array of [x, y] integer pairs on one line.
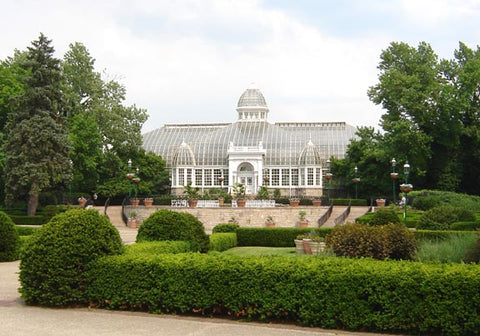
[[245, 176]]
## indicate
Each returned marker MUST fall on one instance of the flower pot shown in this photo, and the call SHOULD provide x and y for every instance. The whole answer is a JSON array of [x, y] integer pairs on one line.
[[135, 202], [294, 203], [82, 202], [221, 201], [192, 203], [317, 247], [317, 203], [303, 224], [148, 202], [299, 246], [270, 224], [380, 202], [306, 246], [241, 203], [132, 223]]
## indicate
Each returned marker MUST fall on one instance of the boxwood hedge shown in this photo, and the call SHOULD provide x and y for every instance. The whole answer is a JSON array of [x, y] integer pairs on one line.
[[223, 241], [340, 293], [274, 237]]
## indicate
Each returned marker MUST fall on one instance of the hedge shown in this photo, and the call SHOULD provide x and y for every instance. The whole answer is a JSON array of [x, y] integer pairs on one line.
[[347, 201], [339, 293], [25, 230], [223, 241], [273, 237], [158, 247], [437, 234], [29, 220], [465, 226]]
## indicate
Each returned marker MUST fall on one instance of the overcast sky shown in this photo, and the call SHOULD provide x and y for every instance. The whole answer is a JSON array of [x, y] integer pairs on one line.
[[188, 61]]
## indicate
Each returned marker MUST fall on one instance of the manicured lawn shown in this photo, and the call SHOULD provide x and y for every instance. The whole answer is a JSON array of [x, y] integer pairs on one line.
[[260, 250]]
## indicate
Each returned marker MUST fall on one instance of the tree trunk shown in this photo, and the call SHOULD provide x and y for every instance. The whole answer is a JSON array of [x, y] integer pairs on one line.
[[32, 204]]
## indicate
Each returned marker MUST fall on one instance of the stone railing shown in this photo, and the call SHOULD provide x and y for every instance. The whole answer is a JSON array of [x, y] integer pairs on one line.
[[179, 203], [256, 204], [208, 204]]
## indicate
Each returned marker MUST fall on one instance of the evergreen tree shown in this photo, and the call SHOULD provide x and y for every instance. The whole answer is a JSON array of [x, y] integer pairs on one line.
[[36, 142]]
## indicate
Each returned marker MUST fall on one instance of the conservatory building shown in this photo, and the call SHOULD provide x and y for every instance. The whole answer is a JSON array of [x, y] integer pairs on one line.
[[288, 156]]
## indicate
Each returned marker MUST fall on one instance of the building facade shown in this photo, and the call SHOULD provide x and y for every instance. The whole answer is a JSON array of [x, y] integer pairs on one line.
[[288, 156]]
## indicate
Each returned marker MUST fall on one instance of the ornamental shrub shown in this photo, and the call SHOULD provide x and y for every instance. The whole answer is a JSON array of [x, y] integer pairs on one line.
[[9, 240], [440, 218], [225, 227], [171, 225], [384, 216], [426, 202], [158, 247], [54, 260], [391, 241], [465, 226], [274, 237], [223, 241]]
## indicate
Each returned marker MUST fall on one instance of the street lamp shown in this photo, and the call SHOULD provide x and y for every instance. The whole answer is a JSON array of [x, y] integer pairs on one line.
[[130, 176], [70, 162], [406, 188], [394, 177], [329, 177], [356, 179], [136, 179]]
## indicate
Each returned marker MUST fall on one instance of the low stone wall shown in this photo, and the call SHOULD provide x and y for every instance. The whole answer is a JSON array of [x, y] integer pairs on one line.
[[246, 217]]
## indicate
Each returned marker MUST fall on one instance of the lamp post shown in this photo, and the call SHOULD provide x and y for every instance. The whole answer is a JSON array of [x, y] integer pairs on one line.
[[130, 176], [136, 179], [356, 179], [329, 177], [406, 188], [70, 162], [394, 177]]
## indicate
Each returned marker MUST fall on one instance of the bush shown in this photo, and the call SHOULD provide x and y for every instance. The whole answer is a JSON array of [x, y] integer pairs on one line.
[[54, 260], [223, 241], [51, 211], [469, 202], [171, 225], [274, 237], [426, 202], [9, 240], [473, 254], [465, 226], [384, 216], [379, 242], [26, 230], [158, 247], [452, 249], [334, 293], [349, 201], [436, 235], [29, 220], [226, 227], [440, 218]]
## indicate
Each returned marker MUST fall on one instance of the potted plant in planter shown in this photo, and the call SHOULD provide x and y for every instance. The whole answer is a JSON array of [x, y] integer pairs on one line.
[[317, 202], [233, 220], [294, 202], [270, 222], [82, 201], [239, 193], [299, 244], [132, 220], [192, 195], [317, 243], [303, 220], [148, 202], [380, 202]]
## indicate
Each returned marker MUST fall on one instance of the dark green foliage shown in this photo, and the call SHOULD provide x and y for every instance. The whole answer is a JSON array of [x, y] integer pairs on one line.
[[171, 225], [334, 293], [349, 201], [473, 256], [384, 216], [426, 202], [305, 201], [391, 241], [226, 227], [29, 220], [158, 247], [433, 235], [9, 239], [274, 237], [53, 263], [465, 226], [440, 218], [26, 230], [223, 241]]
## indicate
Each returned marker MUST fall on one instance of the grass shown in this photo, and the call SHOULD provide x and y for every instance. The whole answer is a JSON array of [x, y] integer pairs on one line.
[[452, 249], [260, 250]]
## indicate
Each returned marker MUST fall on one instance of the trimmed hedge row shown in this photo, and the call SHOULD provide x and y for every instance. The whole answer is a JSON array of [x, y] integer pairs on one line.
[[29, 220], [465, 226], [274, 237], [347, 201], [158, 247], [367, 295], [25, 230], [223, 241], [433, 235]]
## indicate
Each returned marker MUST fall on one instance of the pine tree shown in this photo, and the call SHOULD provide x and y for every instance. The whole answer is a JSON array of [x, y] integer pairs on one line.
[[36, 142]]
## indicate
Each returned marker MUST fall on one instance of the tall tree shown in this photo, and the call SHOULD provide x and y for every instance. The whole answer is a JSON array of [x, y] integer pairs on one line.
[[36, 147]]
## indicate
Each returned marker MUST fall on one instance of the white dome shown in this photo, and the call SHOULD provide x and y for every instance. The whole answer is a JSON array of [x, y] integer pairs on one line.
[[252, 105]]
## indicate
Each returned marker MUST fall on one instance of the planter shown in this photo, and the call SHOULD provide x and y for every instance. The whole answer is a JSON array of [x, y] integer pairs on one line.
[[306, 246], [299, 246], [380, 202], [241, 203], [82, 202], [132, 223], [192, 203], [317, 203], [303, 224], [221, 201], [294, 203], [317, 247], [135, 202], [270, 224], [148, 202]]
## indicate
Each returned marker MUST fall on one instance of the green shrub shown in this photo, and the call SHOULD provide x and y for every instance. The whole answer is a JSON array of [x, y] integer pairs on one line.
[[473, 254], [384, 216], [9, 241], [456, 247], [171, 225], [305, 201], [226, 227], [436, 235], [465, 226], [53, 262], [223, 241], [49, 211], [469, 202], [349, 201], [273, 237], [26, 230], [379, 242], [440, 218], [335, 293], [158, 247], [426, 202], [29, 220]]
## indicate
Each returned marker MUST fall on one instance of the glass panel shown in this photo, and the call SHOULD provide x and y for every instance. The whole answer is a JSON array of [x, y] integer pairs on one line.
[[198, 177], [295, 177], [275, 177], [189, 176], [217, 173], [208, 177], [285, 177], [181, 175], [310, 176]]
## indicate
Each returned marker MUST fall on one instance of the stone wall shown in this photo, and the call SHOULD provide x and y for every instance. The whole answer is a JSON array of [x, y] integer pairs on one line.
[[246, 217]]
